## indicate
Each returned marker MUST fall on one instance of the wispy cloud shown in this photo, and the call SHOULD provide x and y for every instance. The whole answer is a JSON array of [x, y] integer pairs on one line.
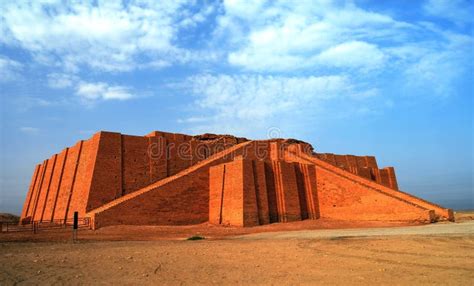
[[61, 80], [87, 92], [353, 55], [262, 44], [9, 69], [252, 103], [281, 36], [456, 11], [92, 92], [104, 35]]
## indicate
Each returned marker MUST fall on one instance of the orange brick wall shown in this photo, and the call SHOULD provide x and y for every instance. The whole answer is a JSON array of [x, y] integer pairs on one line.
[[364, 166], [216, 192], [184, 199], [39, 187], [167, 178], [54, 187], [67, 183], [233, 198], [30, 193], [341, 198], [286, 190], [45, 188], [108, 166], [307, 191], [261, 191], [135, 163], [252, 192], [271, 192], [106, 182], [83, 178]]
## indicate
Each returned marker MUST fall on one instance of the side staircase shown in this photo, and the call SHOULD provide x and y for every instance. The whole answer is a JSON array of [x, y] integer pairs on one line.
[[440, 212], [208, 161]]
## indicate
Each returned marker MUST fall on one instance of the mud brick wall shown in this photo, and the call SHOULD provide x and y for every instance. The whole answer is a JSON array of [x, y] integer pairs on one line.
[[49, 209], [342, 198], [252, 192], [183, 201], [168, 178], [180, 199], [261, 192], [61, 184], [108, 166], [307, 191], [37, 191], [83, 178], [286, 189], [148, 159], [439, 212], [233, 195], [364, 166], [216, 193], [106, 182], [29, 195], [42, 197], [29, 201]]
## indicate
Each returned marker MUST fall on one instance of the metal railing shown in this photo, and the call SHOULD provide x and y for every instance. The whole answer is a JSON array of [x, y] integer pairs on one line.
[[37, 226]]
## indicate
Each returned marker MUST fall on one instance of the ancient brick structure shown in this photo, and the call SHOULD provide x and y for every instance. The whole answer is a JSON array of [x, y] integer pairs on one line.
[[174, 179]]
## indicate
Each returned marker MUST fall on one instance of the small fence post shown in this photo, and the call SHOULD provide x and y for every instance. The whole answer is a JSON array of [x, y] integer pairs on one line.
[[74, 226]]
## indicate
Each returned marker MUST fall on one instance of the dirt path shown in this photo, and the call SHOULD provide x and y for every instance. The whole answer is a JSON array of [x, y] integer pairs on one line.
[[433, 254], [439, 229]]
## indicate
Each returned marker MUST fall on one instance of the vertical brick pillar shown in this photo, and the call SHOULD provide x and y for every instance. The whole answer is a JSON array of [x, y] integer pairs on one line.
[[27, 203], [238, 194], [216, 193], [312, 201], [286, 192], [392, 179], [258, 168]]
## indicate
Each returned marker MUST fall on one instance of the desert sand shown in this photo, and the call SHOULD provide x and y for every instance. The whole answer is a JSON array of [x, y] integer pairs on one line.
[[441, 253]]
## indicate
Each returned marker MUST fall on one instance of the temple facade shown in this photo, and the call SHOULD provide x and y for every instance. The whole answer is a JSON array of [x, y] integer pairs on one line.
[[176, 179]]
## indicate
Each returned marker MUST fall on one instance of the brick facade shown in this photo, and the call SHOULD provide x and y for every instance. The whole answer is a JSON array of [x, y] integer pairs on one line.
[[170, 179]]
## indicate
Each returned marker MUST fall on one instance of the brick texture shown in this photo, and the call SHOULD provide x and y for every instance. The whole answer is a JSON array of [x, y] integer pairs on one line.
[[172, 179]]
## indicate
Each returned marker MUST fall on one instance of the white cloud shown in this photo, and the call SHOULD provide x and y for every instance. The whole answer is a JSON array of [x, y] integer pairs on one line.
[[286, 36], [459, 12], [253, 103], [61, 80], [353, 54], [106, 35], [341, 38], [9, 69], [91, 92], [29, 130], [437, 71]]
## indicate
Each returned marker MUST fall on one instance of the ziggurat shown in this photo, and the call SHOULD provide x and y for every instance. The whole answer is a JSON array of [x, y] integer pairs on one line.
[[176, 179]]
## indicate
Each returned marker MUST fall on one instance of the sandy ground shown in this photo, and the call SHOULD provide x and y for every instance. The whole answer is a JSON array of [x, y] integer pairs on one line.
[[147, 233], [441, 253]]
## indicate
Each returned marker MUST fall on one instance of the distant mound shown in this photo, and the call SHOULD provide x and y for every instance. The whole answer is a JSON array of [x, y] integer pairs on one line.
[[4, 217]]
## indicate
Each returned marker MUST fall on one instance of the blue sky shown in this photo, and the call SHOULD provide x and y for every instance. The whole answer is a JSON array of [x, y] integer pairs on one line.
[[392, 79]]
